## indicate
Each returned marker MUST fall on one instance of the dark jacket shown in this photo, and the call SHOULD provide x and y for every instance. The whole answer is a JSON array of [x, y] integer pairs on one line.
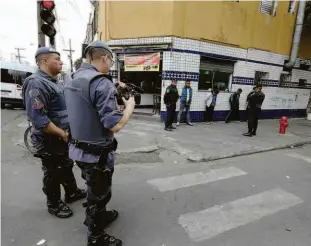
[[171, 95], [255, 101], [234, 100]]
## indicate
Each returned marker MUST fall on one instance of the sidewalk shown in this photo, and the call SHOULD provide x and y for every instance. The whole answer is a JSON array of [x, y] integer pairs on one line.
[[203, 142]]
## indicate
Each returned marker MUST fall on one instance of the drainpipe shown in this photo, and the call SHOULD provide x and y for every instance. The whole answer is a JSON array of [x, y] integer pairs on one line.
[[297, 35]]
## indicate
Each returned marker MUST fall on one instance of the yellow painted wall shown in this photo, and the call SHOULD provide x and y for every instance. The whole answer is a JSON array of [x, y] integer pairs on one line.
[[305, 45], [239, 24]]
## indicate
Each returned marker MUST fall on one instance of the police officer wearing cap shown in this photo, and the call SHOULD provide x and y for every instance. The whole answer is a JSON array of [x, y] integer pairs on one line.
[[45, 106], [94, 118]]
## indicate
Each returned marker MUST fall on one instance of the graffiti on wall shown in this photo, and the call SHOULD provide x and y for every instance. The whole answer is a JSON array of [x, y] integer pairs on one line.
[[288, 99]]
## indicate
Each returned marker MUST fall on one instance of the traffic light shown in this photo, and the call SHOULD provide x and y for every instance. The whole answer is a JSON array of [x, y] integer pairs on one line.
[[48, 17]]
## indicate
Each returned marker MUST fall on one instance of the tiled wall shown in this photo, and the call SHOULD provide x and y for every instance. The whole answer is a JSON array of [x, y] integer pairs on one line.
[[182, 61]]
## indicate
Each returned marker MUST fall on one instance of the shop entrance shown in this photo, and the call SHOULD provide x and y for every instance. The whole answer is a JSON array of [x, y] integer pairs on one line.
[[149, 81]]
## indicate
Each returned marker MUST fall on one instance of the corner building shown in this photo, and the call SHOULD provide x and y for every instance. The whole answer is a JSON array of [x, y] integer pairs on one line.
[[227, 44]]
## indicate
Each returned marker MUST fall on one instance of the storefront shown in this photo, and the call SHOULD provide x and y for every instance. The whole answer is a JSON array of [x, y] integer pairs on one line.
[[143, 70]]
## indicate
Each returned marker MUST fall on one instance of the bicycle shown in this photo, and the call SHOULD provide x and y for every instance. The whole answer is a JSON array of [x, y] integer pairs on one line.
[[27, 139]]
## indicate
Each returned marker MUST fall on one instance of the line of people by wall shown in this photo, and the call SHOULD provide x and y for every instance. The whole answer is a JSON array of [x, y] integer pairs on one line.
[[254, 102]]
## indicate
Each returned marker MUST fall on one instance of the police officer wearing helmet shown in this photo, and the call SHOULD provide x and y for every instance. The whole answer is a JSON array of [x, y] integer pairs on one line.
[[45, 106], [94, 118]]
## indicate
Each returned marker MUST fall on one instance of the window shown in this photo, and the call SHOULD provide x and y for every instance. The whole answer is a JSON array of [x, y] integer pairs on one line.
[[7, 76], [215, 73], [261, 78], [291, 6], [304, 66], [284, 78], [268, 7], [302, 82]]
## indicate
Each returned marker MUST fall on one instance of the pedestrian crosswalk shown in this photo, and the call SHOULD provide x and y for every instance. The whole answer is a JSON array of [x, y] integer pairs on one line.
[[187, 180], [220, 218]]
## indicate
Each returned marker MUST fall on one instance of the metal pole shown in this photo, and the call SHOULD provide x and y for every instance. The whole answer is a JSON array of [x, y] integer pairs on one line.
[[71, 65], [41, 37], [70, 55]]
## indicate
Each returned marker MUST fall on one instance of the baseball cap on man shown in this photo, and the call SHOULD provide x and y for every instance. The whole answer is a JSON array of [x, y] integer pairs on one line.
[[45, 50]]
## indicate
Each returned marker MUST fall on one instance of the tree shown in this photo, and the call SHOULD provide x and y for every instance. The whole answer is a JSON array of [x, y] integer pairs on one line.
[[77, 63]]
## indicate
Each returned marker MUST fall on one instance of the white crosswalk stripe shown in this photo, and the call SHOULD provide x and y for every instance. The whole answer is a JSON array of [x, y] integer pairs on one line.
[[188, 180], [299, 156], [211, 222]]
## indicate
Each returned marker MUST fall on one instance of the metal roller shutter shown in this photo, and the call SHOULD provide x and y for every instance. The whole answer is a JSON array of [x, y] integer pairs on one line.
[[212, 66]]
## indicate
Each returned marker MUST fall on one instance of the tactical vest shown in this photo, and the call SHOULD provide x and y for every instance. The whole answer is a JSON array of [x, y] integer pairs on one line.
[[56, 110], [85, 125]]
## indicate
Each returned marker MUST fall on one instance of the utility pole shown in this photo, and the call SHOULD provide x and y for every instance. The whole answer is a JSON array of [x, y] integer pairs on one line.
[[19, 54], [41, 37], [70, 55]]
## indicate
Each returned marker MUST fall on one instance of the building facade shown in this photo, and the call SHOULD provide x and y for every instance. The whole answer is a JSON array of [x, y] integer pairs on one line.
[[228, 45]]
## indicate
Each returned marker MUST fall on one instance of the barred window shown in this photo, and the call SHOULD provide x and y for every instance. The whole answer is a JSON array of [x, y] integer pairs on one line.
[[261, 78], [285, 79], [266, 6]]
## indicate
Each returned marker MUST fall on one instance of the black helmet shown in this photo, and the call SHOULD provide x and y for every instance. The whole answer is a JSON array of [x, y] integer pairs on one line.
[[97, 44]]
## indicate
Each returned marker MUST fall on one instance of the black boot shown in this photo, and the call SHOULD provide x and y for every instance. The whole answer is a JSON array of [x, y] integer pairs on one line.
[[78, 195], [254, 133], [103, 239], [60, 210], [249, 134], [107, 218]]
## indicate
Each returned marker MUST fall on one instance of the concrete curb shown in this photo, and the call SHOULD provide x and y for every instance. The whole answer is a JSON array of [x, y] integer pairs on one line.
[[193, 158], [148, 149]]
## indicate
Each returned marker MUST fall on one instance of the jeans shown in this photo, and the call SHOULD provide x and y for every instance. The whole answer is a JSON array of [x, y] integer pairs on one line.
[[182, 106]]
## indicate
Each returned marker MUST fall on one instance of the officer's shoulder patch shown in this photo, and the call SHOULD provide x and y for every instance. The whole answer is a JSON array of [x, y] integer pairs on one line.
[[35, 100], [34, 93]]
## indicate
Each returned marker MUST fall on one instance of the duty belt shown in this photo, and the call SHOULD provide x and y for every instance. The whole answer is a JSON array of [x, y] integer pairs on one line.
[[95, 149]]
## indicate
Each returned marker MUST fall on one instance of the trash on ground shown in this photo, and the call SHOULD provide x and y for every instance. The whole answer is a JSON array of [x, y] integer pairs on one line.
[[287, 177], [288, 229], [41, 242]]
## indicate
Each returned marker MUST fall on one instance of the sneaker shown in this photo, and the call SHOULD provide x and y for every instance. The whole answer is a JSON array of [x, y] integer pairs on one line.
[[60, 210], [172, 127], [168, 129], [103, 240], [78, 195], [177, 124], [189, 124]]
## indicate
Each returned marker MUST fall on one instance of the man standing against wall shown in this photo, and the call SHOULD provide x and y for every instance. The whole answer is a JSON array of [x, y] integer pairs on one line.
[[254, 107], [170, 98], [234, 101], [185, 102], [210, 103]]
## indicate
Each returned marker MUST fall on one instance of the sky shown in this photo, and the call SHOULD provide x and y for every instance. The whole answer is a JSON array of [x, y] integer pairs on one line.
[[18, 28]]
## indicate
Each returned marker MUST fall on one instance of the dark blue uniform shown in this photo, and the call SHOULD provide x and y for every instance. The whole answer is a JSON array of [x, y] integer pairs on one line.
[[92, 111], [45, 103]]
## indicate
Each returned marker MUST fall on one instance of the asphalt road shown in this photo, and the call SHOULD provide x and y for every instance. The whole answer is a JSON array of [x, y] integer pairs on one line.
[[256, 200]]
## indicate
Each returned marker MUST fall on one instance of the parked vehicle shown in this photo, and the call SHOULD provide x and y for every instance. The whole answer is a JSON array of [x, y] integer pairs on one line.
[[12, 78]]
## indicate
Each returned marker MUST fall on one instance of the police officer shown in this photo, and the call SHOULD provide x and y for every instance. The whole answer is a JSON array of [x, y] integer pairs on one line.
[[45, 106], [94, 118], [247, 104], [254, 108], [170, 98]]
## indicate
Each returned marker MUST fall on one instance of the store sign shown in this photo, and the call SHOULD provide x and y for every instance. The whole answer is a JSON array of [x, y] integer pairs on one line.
[[142, 63]]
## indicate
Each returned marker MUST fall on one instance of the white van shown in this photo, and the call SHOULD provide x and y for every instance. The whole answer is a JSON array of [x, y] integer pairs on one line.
[[12, 78]]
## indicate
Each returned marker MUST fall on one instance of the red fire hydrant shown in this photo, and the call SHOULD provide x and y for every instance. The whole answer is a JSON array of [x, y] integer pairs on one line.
[[283, 125]]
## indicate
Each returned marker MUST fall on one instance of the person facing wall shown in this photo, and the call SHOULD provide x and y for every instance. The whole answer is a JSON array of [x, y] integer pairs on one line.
[[210, 103]]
